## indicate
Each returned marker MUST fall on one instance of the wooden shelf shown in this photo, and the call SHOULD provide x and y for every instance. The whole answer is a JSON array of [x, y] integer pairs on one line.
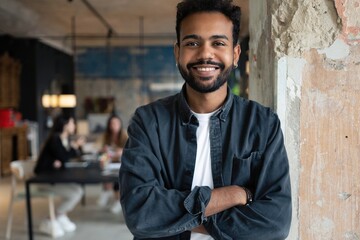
[[9, 82], [13, 146]]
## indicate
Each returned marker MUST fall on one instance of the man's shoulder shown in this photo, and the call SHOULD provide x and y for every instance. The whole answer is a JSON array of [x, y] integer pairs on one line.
[[254, 107]]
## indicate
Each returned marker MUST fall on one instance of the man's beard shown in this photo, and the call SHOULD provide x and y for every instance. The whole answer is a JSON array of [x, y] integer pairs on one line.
[[196, 84]]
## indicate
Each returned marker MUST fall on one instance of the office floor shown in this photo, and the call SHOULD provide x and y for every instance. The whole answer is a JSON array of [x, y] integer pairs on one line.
[[92, 222]]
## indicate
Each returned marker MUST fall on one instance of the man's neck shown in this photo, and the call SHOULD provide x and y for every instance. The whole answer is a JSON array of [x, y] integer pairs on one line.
[[205, 102]]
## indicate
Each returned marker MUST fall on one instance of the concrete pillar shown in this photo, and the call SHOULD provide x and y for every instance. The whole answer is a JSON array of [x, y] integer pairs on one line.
[[305, 64]]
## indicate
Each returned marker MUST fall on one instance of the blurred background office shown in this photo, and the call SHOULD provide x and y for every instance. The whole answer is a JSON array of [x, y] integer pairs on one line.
[[94, 57], [89, 59]]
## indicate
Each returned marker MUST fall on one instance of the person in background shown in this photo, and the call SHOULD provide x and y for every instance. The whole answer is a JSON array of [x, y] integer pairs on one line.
[[56, 151], [204, 163], [112, 142]]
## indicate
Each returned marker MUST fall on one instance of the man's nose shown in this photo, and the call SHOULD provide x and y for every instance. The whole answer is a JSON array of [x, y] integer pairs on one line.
[[205, 52]]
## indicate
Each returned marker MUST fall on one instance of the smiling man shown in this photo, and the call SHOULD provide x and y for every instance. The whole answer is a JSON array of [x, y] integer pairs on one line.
[[205, 164]]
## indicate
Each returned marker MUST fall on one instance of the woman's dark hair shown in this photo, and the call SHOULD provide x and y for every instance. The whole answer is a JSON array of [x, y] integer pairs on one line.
[[107, 136], [57, 128], [188, 7], [59, 123]]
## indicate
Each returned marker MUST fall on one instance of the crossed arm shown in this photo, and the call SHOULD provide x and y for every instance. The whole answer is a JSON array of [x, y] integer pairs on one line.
[[221, 199], [148, 200]]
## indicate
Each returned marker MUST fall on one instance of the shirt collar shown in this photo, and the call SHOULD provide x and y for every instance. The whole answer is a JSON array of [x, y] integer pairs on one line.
[[185, 111]]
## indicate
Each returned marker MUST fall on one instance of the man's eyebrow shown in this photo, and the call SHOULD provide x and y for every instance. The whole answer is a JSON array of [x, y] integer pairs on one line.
[[191, 36], [194, 36], [219, 37]]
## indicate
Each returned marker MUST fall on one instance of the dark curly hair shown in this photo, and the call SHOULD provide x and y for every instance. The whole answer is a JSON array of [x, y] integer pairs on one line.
[[188, 7]]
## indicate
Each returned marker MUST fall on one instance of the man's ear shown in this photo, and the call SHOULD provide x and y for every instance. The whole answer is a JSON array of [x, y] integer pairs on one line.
[[237, 51], [176, 52]]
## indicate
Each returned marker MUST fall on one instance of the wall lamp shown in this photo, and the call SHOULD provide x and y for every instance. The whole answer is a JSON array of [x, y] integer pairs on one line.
[[58, 101]]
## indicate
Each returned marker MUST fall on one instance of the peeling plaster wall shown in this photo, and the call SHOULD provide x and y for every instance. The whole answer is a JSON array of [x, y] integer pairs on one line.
[[305, 62], [330, 134], [288, 29], [330, 147], [349, 12], [298, 26]]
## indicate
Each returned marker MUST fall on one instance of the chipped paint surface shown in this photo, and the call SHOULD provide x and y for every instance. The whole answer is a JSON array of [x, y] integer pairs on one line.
[[338, 50], [329, 154], [319, 203], [330, 134], [351, 236], [308, 52], [349, 12], [322, 227], [344, 195], [301, 25]]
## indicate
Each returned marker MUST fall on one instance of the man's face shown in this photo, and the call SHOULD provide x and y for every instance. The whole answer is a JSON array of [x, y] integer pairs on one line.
[[205, 53]]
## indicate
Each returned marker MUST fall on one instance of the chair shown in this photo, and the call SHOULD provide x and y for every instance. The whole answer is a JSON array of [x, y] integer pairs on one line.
[[22, 170]]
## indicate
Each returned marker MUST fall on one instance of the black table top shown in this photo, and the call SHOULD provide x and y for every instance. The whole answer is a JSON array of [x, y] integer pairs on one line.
[[82, 175]]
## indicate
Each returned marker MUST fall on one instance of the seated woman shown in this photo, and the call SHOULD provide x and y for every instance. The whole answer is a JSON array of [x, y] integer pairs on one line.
[[112, 143], [57, 150]]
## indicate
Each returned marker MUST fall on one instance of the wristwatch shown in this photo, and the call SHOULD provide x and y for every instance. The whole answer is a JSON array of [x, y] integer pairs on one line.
[[249, 196]]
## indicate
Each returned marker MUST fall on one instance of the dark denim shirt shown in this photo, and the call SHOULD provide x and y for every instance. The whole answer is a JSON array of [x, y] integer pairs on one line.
[[247, 149]]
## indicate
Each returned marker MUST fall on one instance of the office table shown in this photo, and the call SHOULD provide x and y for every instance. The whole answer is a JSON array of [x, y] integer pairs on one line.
[[80, 175]]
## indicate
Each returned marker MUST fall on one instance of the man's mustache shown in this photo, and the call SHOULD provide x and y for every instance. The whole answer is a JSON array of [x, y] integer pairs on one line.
[[220, 65]]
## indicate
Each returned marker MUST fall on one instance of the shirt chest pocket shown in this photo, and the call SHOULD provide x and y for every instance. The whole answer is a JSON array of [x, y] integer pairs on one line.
[[246, 169]]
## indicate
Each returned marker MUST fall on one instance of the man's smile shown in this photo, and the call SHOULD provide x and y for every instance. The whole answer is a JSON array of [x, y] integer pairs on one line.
[[205, 69]]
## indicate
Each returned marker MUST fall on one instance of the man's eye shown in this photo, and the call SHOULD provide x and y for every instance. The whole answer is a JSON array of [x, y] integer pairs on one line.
[[219, 44], [192, 44]]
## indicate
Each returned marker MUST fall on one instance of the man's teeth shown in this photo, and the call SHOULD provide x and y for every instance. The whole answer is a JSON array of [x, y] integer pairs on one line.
[[208, 69]]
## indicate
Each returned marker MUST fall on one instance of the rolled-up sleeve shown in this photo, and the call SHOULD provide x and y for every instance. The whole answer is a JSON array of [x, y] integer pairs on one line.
[[150, 209]]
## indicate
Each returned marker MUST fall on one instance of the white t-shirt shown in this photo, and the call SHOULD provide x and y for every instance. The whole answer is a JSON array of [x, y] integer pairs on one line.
[[202, 173]]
